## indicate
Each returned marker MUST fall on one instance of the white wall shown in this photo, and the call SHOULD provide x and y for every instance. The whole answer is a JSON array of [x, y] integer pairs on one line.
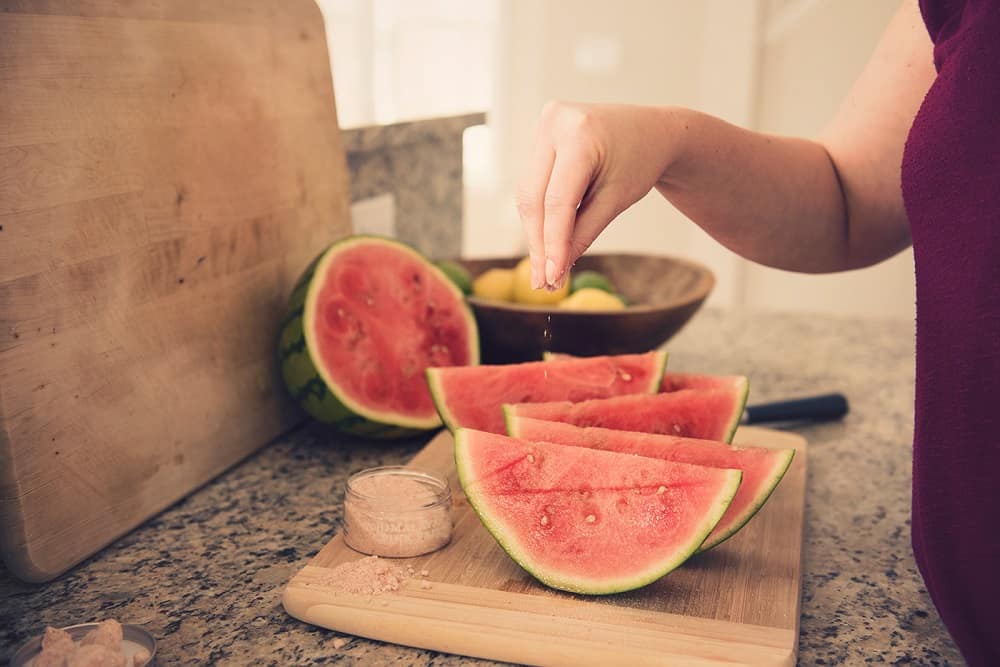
[[777, 65], [812, 50]]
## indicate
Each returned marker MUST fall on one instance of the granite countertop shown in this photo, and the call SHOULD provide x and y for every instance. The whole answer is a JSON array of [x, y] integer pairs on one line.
[[206, 576]]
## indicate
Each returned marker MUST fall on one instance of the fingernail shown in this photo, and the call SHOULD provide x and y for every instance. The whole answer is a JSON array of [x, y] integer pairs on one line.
[[536, 279], [550, 272]]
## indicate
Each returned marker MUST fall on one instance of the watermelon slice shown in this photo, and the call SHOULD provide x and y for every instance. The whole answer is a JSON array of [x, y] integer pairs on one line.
[[472, 397], [677, 381], [365, 321], [762, 468], [585, 520], [709, 414]]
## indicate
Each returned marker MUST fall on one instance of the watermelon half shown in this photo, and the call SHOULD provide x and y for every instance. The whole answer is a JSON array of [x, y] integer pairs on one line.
[[365, 321], [586, 520], [709, 414], [473, 397], [762, 468]]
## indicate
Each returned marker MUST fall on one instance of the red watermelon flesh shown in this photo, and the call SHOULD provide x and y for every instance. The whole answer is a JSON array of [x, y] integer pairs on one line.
[[762, 468], [379, 315], [678, 381], [585, 520], [709, 414], [472, 397]]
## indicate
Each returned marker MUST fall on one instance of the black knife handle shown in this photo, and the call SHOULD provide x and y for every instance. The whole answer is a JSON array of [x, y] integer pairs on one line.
[[812, 408]]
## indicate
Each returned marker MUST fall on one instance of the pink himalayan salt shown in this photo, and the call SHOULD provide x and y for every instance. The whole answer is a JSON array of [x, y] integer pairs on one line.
[[394, 515], [101, 647], [367, 576]]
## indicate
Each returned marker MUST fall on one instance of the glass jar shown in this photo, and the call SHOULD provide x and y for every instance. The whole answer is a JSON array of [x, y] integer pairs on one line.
[[396, 512]]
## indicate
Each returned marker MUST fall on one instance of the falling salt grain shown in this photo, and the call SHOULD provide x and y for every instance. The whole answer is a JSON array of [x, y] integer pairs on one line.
[[590, 518], [424, 573], [677, 428], [626, 376], [662, 489], [531, 458], [425, 585], [339, 643], [544, 520]]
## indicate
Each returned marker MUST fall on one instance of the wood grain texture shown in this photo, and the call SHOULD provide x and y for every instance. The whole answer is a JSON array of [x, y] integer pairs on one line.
[[737, 604], [166, 171]]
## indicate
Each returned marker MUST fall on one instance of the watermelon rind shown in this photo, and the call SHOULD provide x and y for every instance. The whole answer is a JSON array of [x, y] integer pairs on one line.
[[576, 584], [439, 394], [744, 391], [776, 474], [312, 386]]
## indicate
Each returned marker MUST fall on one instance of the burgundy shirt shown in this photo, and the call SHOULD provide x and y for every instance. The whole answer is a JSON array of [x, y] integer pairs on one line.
[[951, 189]]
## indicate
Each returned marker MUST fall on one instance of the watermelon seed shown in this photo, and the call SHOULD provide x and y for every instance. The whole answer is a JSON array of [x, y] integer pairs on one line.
[[677, 428], [544, 520], [590, 518]]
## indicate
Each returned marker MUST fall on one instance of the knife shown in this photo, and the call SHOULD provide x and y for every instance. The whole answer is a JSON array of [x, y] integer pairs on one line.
[[823, 407]]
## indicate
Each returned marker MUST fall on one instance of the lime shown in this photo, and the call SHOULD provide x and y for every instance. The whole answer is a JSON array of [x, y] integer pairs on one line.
[[591, 279], [523, 293], [591, 298], [457, 274], [495, 284]]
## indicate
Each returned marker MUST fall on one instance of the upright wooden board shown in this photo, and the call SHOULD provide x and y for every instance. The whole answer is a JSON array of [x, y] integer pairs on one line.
[[737, 604], [167, 169]]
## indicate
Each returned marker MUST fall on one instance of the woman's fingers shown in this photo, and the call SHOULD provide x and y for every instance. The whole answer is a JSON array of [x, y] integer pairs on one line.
[[598, 209], [530, 207], [571, 174]]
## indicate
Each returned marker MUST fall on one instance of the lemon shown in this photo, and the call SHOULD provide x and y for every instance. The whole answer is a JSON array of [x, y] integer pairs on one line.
[[595, 279], [495, 284], [523, 293], [457, 274], [591, 298]]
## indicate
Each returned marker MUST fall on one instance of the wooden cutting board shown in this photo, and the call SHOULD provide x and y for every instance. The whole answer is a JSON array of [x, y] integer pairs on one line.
[[737, 604], [167, 169]]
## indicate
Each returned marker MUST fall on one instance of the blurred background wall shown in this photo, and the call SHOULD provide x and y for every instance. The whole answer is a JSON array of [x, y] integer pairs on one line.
[[780, 66]]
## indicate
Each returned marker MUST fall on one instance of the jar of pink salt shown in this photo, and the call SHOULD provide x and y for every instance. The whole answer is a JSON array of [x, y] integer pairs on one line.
[[397, 512]]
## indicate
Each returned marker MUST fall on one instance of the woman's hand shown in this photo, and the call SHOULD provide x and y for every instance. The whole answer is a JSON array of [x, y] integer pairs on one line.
[[590, 163]]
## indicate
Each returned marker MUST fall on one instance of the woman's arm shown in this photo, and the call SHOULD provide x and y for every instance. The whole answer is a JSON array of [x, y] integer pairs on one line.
[[813, 206]]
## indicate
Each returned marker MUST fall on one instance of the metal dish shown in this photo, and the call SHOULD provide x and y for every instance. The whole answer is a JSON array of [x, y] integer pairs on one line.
[[134, 638]]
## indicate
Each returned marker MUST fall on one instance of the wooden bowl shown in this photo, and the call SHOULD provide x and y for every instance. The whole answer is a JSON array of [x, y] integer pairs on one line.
[[666, 292]]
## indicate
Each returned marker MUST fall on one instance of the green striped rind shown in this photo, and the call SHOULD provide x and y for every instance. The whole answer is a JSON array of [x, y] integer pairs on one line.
[[780, 468], [438, 394], [520, 554], [313, 388], [744, 391]]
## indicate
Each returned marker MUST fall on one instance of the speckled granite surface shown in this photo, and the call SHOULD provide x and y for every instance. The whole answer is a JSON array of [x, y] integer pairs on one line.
[[420, 164], [206, 576]]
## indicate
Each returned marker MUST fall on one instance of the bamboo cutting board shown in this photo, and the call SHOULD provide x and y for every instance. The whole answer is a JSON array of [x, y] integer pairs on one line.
[[167, 169], [737, 604]]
